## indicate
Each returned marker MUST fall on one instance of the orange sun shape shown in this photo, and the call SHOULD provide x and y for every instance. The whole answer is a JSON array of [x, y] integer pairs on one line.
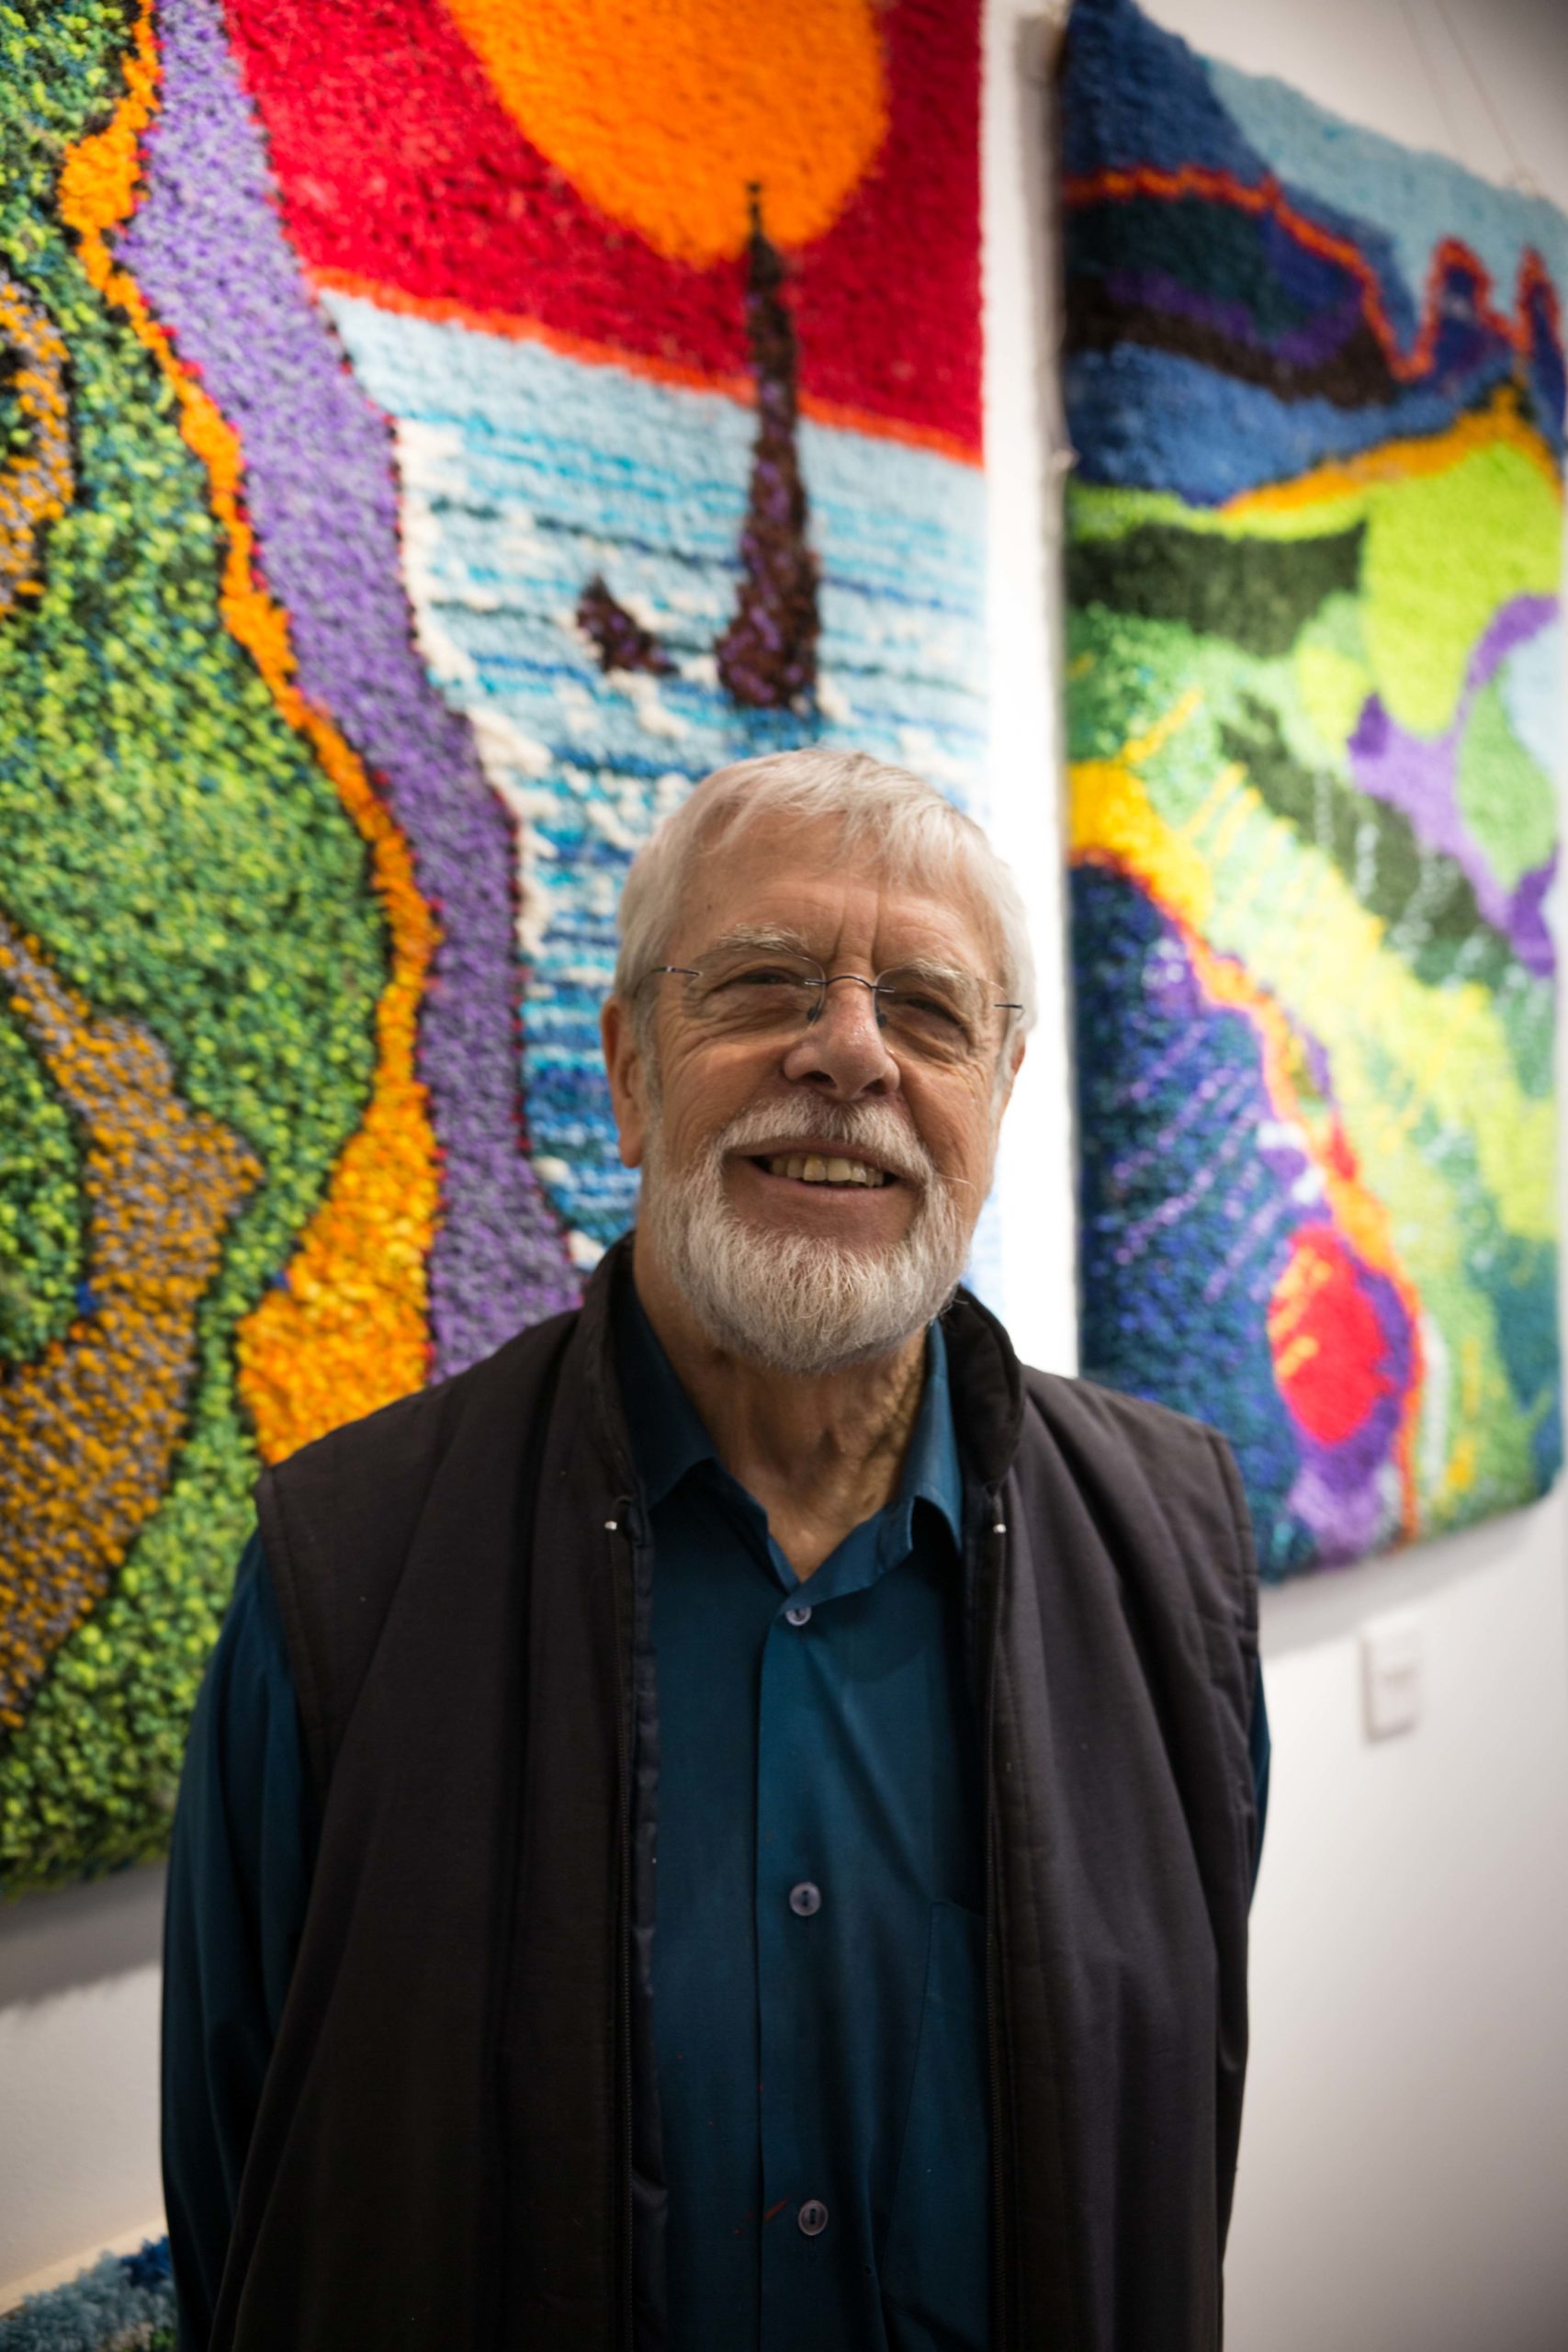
[[664, 113]]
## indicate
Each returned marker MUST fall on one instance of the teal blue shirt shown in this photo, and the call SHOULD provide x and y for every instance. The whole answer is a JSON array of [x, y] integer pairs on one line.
[[818, 1952]]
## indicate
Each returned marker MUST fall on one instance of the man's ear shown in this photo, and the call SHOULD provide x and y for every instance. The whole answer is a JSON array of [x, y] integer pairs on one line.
[[628, 1081]]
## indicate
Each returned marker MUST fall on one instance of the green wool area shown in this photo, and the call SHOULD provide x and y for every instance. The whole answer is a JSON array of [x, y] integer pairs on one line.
[[1257, 592], [1507, 801], [40, 1205], [181, 860], [1332, 678], [1130, 674], [16, 427], [1445, 553], [1423, 896], [1440, 554]]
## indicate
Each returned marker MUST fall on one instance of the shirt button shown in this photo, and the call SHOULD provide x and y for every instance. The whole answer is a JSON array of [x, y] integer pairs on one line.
[[813, 2218], [804, 1899], [799, 1616]]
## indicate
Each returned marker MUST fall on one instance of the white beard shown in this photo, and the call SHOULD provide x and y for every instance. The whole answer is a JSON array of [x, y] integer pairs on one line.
[[794, 1303]]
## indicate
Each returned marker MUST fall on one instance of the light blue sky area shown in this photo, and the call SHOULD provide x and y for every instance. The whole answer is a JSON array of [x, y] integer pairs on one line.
[[1531, 684], [1417, 197], [523, 474]]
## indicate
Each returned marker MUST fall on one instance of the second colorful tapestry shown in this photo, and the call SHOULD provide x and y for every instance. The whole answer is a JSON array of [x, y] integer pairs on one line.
[[1315, 389]]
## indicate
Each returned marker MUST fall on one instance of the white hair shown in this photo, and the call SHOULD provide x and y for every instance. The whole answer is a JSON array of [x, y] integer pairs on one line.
[[909, 831]]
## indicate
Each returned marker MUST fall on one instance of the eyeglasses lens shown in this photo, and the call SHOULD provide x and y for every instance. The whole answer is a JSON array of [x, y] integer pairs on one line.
[[940, 1016]]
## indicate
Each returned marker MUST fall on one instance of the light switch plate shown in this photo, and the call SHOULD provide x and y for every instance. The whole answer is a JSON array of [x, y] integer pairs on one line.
[[1392, 1674]]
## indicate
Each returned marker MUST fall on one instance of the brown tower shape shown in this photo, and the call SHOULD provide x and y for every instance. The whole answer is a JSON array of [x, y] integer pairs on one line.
[[767, 657]]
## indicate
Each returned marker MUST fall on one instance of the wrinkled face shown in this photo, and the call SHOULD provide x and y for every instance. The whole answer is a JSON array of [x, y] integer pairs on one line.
[[832, 1171]]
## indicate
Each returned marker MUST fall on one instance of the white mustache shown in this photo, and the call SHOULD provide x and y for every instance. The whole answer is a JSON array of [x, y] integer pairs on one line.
[[869, 1127]]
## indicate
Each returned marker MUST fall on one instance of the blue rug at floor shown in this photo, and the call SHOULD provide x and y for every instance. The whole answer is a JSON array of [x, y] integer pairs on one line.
[[122, 2302]]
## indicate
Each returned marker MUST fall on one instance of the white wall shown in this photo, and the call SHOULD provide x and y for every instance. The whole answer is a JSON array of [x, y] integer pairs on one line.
[[1404, 2165], [78, 2074], [1405, 2169]]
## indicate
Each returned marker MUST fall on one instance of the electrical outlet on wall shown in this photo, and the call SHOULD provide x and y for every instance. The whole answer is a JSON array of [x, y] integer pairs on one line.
[[1391, 1677]]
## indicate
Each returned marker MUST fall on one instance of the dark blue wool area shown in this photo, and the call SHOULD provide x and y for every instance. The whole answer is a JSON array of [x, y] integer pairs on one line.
[[1176, 1199]]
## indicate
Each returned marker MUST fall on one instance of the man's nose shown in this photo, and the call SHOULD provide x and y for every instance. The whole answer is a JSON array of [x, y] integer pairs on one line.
[[844, 1050]]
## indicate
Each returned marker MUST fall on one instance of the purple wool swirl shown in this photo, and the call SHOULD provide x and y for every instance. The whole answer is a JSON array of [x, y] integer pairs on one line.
[[207, 247]]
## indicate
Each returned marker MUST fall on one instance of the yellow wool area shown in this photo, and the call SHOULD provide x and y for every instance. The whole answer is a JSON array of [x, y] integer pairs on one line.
[[1110, 817], [1457, 526], [1344, 482], [1112, 820], [1473, 1402], [99, 178], [1304, 1277], [664, 113], [1235, 874], [1355, 1209], [351, 1330], [1329, 497]]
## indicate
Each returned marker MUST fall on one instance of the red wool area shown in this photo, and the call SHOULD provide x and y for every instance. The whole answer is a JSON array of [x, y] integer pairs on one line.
[[397, 165], [1328, 1345]]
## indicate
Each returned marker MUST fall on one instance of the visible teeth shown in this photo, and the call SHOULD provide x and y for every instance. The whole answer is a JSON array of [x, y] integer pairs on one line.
[[811, 1168]]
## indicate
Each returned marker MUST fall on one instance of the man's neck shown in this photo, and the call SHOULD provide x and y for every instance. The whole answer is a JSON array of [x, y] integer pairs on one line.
[[819, 1452]]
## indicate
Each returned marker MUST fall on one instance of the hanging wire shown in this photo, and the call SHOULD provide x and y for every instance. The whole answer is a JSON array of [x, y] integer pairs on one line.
[[1520, 173], [1434, 81]]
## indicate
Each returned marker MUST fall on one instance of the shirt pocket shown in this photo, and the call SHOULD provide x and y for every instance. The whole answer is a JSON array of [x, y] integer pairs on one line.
[[935, 2274]]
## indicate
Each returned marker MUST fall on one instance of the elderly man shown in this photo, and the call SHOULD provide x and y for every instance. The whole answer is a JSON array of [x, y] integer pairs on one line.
[[729, 1826]]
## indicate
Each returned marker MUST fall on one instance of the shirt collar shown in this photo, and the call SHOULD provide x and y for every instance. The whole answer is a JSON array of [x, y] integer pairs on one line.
[[667, 1432], [668, 1438]]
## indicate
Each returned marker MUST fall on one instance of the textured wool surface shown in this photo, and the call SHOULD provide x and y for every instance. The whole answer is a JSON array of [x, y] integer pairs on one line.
[[1316, 388], [120, 2303], [431, 438]]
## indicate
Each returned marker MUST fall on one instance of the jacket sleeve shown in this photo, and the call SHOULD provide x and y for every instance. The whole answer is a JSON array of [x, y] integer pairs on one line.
[[245, 1841]]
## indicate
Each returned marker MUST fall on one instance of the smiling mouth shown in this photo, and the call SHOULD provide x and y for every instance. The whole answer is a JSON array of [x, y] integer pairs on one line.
[[817, 1168]]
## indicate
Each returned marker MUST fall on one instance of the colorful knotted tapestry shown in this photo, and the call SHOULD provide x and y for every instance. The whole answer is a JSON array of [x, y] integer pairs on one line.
[[1314, 385], [119, 2304], [431, 436]]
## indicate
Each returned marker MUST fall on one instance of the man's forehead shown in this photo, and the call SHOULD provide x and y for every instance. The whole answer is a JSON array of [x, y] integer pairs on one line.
[[796, 880]]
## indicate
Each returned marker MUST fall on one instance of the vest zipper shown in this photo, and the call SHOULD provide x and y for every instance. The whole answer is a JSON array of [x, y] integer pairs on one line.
[[1003, 2233], [623, 2323]]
